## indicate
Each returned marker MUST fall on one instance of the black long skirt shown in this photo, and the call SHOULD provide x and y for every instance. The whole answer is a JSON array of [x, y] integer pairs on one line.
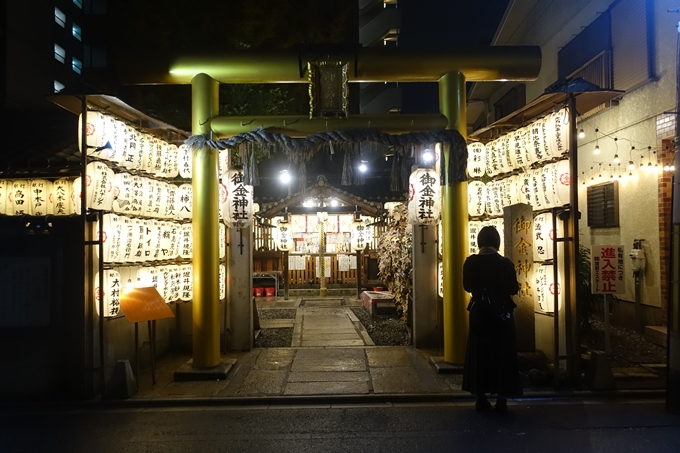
[[491, 360]]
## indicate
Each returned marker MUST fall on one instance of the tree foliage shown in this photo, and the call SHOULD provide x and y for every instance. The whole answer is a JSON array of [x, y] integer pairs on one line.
[[395, 265]]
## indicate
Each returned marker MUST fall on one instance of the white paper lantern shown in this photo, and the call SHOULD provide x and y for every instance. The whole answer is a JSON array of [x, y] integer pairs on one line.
[[138, 240], [127, 239], [160, 156], [148, 153], [156, 238], [507, 157], [494, 194], [99, 131], [175, 282], [222, 162], [222, 197], [222, 239], [170, 202], [561, 183], [62, 190], [544, 237], [112, 238], [187, 285], [476, 163], [492, 164], [547, 185], [172, 163], [165, 282], [546, 288], [501, 155], [184, 201], [424, 205], [132, 159], [498, 224], [440, 279], [476, 198], [557, 132], [110, 293], [237, 210], [5, 190], [474, 227], [42, 197], [147, 277], [139, 185], [186, 241], [184, 161], [361, 234], [99, 186], [537, 147], [525, 195], [440, 239], [526, 145], [123, 194], [223, 282], [118, 143], [537, 195], [20, 198], [150, 190], [283, 235], [77, 195], [517, 153]]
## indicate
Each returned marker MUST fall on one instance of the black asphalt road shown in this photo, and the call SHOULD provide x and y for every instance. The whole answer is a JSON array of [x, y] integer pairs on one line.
[[531, 426]]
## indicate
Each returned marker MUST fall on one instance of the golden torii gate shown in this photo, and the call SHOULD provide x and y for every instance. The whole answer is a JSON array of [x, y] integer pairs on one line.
[[450, 68]]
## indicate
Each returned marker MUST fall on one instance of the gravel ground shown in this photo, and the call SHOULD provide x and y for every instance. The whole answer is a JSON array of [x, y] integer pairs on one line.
[[383, 330], [628, 346]]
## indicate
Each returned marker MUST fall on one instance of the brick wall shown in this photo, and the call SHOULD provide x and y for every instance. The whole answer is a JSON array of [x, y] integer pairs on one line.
[[665, 133]]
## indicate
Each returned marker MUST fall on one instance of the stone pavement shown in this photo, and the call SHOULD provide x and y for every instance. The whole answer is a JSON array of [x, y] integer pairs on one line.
[[331, 355]]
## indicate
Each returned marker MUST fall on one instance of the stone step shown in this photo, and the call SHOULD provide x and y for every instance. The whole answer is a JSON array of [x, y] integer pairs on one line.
[[657, 335]]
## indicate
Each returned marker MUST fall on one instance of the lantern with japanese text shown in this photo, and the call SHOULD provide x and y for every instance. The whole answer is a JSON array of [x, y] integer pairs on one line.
[[118, 143], [77, 195], [222, 232], [127, 239], [547, 185], [424, 205], [525, 195], [546, 289], [147, 277], [5, 189], [517, 154], [110, 293], [138, 243], [526, 145], [222, 162], [561, 182], [222, 197], [544, 237], [361, 234], [186, 242], [501, 155], [557, 132], [150, 190], [440, 279], [492, 165], [237, 211], [99, 186], [167, 208], [474, 227], [148, 153], [184, 162], [510, 191], [508, 158], [20, 197], [284, 236], [165, 282], [172, 163], [476, 198], [537, 196], [153, 238], [132, 159], [223, 282], [498, 224], [175, 282], [160, 156], [184, 201], [42, 197], [494, 191], [122, 193], [111, 236], [98, 130], [537, 137], [476, 163], [63, 205], [186, 286]]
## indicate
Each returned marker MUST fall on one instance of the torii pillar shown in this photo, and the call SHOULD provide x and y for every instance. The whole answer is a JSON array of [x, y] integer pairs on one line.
[[454, 225]]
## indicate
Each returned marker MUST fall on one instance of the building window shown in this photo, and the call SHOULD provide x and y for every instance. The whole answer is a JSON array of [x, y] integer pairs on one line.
[[75, 30], [58, 86], [603, 205], [77, 65], [59, 54], [78, 3], [59, 17]]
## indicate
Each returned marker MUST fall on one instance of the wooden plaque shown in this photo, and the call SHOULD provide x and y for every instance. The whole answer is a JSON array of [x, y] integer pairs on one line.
[[144, 304]]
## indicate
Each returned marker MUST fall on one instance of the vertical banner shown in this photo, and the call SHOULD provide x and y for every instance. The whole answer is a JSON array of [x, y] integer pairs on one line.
[[607, 274]]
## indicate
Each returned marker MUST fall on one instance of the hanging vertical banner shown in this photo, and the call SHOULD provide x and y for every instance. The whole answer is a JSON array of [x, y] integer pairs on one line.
[[361, 235], [237, 211], [424, 203], [607, 274]]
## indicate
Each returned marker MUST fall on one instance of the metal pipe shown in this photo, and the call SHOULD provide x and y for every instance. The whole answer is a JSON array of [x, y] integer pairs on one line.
[[454, 226], [366, 64], [572, 265]]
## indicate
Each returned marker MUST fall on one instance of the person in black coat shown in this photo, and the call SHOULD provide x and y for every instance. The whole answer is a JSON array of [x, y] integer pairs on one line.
[[491, 355]]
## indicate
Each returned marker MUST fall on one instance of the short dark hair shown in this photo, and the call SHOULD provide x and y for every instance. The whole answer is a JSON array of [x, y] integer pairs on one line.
[[489, 237]]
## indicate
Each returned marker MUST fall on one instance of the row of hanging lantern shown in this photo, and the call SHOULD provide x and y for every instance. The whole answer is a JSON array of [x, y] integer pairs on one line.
[[361, 235], [541, 188], [543, 140], [173, 282], [131, 240]]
